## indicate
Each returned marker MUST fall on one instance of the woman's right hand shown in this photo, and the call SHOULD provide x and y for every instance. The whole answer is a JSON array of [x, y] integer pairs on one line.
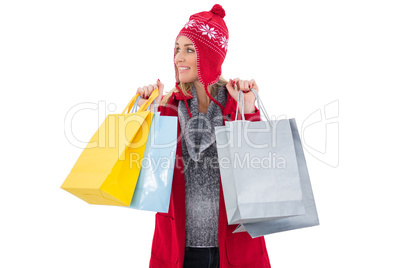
[[146, 91]]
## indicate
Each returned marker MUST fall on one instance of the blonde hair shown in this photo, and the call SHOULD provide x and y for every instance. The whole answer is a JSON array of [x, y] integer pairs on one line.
[[186, 89]]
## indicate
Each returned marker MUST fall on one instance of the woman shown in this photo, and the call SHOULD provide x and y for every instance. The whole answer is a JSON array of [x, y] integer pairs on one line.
[[195, 232]]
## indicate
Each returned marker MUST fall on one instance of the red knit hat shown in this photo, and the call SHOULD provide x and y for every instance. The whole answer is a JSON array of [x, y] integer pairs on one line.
[[209, 34]]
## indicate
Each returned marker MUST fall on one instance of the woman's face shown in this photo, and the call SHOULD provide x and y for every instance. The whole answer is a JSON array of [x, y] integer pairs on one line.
[[186, 60]]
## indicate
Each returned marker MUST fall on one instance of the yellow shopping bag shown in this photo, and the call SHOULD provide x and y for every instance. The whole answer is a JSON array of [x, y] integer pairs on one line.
[[107, 170]]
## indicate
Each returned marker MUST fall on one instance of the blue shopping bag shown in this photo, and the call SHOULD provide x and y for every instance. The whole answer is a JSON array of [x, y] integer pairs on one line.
[[154, 184]]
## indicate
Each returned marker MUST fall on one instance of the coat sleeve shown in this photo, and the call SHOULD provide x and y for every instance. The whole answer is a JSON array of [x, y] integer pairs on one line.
[[231, 111], [249, 117]]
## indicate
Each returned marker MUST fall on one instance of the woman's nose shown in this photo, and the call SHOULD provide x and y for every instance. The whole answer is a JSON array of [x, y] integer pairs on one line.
[[179, 57]]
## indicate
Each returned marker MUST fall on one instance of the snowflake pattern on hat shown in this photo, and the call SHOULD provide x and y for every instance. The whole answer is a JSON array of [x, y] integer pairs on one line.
[[224, 43], [189, 24], [209, 31]]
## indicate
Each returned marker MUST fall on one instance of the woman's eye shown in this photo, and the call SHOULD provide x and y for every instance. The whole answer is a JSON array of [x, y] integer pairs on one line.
[[189, 50]]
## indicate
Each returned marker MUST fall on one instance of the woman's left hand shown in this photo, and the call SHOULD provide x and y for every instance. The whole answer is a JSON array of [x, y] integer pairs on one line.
[[244, 85]]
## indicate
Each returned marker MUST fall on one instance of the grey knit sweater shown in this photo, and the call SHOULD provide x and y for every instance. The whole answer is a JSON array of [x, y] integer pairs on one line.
[[201, 170]]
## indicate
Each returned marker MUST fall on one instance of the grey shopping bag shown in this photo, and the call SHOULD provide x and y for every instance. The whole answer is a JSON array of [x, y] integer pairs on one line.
[[310, 218], [259, 169]]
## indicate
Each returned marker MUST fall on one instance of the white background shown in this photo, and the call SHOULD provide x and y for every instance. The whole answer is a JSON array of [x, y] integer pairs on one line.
[[304, 55]]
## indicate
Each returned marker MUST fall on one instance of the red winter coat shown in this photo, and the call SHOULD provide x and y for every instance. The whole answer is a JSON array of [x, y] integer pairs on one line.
[[235, 250]]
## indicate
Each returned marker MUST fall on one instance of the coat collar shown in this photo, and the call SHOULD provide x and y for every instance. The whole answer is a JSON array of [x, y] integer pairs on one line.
[[180, 96]]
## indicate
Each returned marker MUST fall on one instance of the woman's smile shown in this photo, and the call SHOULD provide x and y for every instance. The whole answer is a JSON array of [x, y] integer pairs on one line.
[[183, 68]]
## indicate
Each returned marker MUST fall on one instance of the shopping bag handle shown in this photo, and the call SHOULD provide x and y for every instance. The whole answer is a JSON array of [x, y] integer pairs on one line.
[[130, 103], [135, 106], [150, 100], [240, 97], [143, 107], [133, 110]]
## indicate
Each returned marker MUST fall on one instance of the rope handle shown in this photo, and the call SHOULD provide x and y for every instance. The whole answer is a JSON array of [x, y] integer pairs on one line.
[[240, 98]]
